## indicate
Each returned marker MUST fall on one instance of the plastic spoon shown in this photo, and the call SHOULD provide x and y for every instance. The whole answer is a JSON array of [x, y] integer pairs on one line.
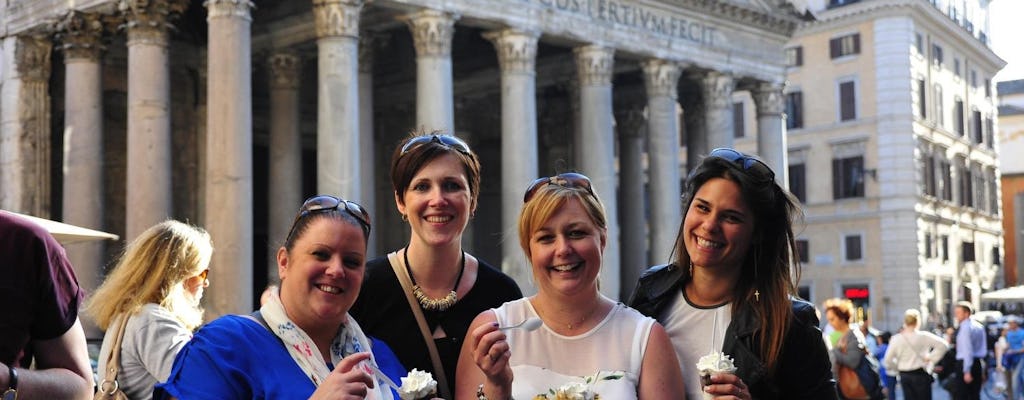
[[527, 325]]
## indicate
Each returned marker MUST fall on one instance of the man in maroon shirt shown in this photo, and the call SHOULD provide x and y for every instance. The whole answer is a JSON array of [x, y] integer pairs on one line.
[[39, 299]]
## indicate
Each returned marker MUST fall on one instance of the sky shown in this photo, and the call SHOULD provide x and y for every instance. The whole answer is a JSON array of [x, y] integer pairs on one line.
[[1007, 35]]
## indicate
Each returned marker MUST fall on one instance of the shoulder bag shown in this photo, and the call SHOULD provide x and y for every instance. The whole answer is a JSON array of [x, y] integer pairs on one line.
[[435, 358], [862, 382], [109, 389]]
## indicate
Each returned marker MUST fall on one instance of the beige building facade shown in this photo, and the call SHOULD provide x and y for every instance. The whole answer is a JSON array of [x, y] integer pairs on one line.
[[115, 115], [1011, 167], [893, 152]]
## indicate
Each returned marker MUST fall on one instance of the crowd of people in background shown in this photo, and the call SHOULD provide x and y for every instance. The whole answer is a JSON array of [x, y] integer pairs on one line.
[[342, 323]]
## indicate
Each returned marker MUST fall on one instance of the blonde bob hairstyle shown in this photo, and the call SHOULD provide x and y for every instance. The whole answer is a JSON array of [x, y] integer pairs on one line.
[[547, 200], [153, 269]]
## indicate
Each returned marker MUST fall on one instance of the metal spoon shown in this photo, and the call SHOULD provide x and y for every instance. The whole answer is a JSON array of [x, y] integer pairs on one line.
[[527, 325]]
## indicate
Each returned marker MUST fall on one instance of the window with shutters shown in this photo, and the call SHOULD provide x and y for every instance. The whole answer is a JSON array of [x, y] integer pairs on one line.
[[848, 177], [847, 101], [977, 136], [944, 247], [802, 251], [940, 114], [922, 105], [798, 181], [967, 251], [795, 56], [852, 245], [794, 110], [936, 55], [958, 117], [844, 46]]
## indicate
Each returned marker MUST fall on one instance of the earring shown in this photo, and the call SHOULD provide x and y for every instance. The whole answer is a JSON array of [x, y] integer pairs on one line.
[[405, 218], [691, 269]]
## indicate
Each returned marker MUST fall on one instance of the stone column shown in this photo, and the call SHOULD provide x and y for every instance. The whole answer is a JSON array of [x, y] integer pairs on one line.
[[148, 190], [432, 35], [81, 34], [661, 79], [25, 128], [285, 178], [632, 125], [771, 129], [594, 68], [517, 54], [337, 129], [717, 88], [229, 174], [367, 152]]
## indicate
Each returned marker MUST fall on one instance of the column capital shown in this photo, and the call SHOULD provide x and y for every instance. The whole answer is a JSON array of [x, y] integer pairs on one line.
[[432, 32], [229, 8], [148, 20], [768, 98], [661, 78], [517, 49], [631, 121], [334, 18], [717, 88], [594, 65], [32, 58], [284, 69], [81, 34]]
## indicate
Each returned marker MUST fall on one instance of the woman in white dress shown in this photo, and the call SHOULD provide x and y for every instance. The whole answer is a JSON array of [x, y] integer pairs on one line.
[[588, 342], [157, 285]]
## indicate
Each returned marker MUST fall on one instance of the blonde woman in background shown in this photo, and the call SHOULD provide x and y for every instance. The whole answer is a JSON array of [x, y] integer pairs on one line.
[[157, 284], [912, 353]]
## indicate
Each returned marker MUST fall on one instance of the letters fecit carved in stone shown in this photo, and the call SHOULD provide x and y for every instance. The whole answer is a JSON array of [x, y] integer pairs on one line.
[[594, 65], [284, 70], [148, 20], [768, 99], [229, 8], [432, 32], [81, 34], [32, 57], [517, 49], [717, 88], [661, 78], [337, 17]]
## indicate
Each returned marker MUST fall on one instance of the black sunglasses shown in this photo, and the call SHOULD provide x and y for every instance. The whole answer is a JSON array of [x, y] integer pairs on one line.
[[568, 179], [449, 141], [324, 203], [750, 164]]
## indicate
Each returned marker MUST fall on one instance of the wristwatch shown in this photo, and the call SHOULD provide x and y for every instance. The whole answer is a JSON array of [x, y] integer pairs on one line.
[[12, 386]]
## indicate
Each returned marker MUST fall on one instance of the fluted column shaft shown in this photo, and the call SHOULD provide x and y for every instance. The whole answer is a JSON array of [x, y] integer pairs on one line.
[[771, 130], [229, 177], [337, 31], [661, 80], [594, 66], [717, 89], [432, 32], [631, 126], [25, 129], [148, 190], [83, 145], [368, 152], [517, 54], [285, 151]]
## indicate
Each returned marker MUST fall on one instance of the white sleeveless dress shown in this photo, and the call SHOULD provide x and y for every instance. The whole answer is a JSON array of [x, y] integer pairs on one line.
[[606, 359]]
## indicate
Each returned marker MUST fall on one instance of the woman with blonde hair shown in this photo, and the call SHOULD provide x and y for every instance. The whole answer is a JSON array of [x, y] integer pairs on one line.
[[912, 353], [157, 285]]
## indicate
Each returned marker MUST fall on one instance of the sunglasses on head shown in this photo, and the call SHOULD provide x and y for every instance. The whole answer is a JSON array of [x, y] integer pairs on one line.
[[449, 141], [568, 179], [325, 203], [751, 165]]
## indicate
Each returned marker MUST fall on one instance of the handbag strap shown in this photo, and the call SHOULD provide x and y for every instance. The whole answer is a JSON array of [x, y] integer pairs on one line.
[[435, 358], [114, 358]]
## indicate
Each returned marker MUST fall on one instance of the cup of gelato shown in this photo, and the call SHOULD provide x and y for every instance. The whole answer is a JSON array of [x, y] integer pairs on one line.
[[713, 363], [418, 385]]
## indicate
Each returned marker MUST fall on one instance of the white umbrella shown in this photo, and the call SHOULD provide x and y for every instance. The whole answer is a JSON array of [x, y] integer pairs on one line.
[[1009, 294], [67, 233]]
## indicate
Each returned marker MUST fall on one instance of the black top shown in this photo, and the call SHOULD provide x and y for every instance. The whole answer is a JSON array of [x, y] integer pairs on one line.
[[383, 312]]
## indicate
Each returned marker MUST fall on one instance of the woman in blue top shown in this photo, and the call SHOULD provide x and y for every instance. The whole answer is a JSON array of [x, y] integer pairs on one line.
[[302, 343]]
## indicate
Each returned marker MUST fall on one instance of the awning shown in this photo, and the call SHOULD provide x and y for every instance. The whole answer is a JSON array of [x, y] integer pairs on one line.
[[1015, 293], [67, 233]]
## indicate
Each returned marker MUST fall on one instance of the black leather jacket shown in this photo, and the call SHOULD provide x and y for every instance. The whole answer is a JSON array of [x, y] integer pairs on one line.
[[804, 370]]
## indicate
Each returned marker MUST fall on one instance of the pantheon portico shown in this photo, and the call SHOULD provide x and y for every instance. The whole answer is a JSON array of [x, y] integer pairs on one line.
[[115, 115]]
